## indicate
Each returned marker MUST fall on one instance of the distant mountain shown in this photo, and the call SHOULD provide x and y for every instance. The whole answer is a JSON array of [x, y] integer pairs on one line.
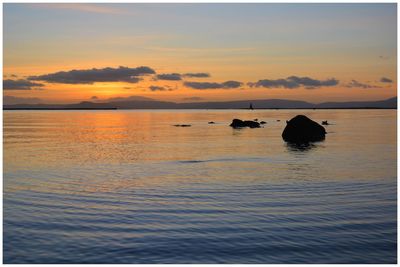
[[388, 103], [154, 104], [13, 100], [147, 103], [81, 105]]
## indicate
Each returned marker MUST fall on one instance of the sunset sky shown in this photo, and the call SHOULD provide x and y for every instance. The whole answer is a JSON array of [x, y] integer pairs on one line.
[[199, 52]]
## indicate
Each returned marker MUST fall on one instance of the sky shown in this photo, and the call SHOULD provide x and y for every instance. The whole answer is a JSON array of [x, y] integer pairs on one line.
[[67, 53]]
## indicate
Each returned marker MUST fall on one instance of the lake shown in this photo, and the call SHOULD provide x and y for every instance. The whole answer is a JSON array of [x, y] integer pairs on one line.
[[126, 186]]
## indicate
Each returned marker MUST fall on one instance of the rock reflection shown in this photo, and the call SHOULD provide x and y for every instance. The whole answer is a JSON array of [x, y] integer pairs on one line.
[[300, 147]]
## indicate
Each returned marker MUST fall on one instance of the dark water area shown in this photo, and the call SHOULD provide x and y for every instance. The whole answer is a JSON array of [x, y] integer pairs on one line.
[[128, 187]]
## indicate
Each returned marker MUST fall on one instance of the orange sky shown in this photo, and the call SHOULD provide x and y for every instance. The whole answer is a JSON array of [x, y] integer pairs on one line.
[[244, 43]]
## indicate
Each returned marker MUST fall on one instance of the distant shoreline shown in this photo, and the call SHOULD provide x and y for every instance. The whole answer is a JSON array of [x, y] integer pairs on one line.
[[260, 104], [189, 108], [59, 108]]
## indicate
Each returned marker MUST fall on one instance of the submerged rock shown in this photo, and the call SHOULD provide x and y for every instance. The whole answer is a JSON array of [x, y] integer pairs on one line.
[[211, 122], [182, 125], [301, 129], [262, 122], [236, 123], [325, 123]]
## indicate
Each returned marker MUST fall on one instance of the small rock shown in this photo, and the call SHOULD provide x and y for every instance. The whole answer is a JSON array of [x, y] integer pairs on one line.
[[262, 122], [236, 123], [211, 122], [325, 123], [182, 125]]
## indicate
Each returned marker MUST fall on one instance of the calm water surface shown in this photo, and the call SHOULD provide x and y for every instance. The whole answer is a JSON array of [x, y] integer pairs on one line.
[[128, 187]]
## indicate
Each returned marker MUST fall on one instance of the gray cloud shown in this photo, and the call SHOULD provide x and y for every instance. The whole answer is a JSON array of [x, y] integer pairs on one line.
[[169, 77], [211, 85], [386, 80], [90, 76], [20, 84], [13, 100], [356, 84], [158, 88], [295, 82], [197, 75]]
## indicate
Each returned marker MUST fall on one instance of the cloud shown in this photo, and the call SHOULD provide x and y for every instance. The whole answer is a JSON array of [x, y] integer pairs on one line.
[[211, 85], [157, 88], [193, 98], [20, 84], [90, 76], [13, 100], [178, 76], [294, 82], [169, 77], [386, 80], [197, 75], [356, 84], [94, 97]]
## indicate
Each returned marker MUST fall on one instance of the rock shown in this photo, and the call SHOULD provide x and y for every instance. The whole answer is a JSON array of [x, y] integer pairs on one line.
[[236, 123], [301, 129], [262, 122], [211, 122], [182, 125], [325, 123], [278, 120], [255, 120]]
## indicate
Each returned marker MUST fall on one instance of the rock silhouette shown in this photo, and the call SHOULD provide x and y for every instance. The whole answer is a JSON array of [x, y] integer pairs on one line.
[[301, 129], [211, 122], [182, 125], [325, 123], [262, 122], [236, 123]]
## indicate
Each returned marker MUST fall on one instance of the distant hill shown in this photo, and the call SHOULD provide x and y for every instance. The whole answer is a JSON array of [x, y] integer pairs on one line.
[[147, 103], [388, 103]]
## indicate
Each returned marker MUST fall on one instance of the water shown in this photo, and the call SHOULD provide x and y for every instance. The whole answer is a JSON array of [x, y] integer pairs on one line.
[[128, 187]]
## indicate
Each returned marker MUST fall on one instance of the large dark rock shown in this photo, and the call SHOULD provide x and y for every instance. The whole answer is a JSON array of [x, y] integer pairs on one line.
[[236, 123], [301, 129]]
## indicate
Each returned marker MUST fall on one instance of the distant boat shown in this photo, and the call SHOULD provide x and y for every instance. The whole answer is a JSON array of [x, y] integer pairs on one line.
[[251, 106]]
